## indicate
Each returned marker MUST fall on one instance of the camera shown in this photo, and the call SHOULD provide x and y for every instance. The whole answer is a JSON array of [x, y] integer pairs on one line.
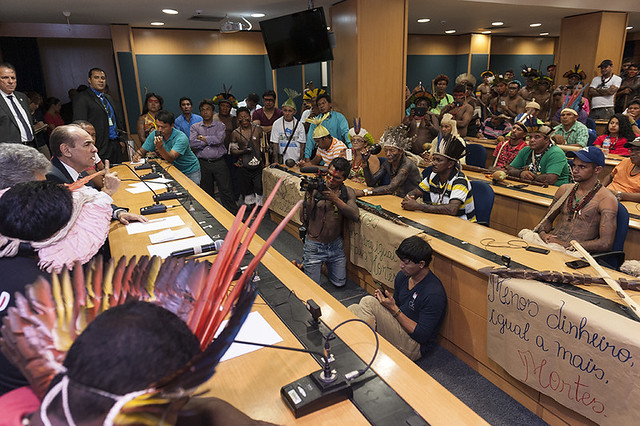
[[311, 183]]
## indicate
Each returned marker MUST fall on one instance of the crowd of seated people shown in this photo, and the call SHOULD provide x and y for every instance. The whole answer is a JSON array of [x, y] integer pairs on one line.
[[226, 147]]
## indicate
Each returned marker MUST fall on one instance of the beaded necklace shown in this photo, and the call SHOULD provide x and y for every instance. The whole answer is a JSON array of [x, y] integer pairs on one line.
[[576, 210]]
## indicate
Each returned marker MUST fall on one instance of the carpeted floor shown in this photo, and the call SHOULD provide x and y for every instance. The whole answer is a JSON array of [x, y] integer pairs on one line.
[[486, 399]]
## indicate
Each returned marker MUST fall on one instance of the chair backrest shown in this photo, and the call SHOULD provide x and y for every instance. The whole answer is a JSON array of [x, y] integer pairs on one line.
[[483, 197], [476, 155], [622, 221], [592, 137], [591, 123]]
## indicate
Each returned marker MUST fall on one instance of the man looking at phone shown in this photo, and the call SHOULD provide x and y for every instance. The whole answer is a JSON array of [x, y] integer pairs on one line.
[[423, 125], [586, 211], [410, 317]]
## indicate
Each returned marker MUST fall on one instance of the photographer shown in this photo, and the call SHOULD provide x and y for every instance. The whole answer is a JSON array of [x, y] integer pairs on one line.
[[325, 206]]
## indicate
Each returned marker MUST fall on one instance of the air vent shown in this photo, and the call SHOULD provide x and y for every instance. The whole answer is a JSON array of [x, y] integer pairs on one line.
[[206, 18]]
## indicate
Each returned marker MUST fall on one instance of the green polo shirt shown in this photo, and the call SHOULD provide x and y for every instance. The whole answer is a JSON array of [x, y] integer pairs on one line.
[[553, 161], [187, 162]]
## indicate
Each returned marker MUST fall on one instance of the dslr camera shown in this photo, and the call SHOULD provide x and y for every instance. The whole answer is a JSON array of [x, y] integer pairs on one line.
[[310, 183]]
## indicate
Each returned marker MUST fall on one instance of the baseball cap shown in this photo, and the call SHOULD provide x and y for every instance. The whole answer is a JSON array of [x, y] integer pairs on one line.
[[589, 154], [605, 63], [634, 143]]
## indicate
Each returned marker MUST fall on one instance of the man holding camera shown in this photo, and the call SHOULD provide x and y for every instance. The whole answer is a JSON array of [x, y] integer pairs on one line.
[[325, 207]]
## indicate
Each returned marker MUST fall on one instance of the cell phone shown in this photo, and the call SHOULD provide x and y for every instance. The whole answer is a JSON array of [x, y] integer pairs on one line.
[[419, 111], [537, 250], [577, 264]]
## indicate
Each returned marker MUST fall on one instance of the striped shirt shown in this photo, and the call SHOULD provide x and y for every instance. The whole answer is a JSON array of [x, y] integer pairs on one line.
[[456, 188], [337, 149]]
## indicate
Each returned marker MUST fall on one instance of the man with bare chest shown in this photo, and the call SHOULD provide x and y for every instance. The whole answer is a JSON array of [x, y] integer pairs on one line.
[[588, 213], [460, 109], [323, 215], [515, 103]]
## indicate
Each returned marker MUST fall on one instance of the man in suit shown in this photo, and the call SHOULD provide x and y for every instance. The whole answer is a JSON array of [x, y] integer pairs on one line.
[[99, 109], [73, 152], [15, 116]]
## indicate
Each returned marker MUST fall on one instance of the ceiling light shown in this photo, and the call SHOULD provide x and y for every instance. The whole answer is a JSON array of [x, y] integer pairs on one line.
[[629, 28], [170, 11], [535, 25], [486, 32], [544, 34], [257, 15], [424, 20], [157, 24], [450, 31], [497, 23]]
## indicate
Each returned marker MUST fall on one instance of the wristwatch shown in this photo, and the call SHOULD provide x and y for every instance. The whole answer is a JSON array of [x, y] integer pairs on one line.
[[619, 195], [368, 191]]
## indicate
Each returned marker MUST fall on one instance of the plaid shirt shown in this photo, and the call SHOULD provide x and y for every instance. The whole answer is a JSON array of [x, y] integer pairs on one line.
[[577, 134]]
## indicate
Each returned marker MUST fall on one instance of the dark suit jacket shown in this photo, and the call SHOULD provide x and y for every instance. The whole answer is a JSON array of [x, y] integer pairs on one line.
[[59, 174], [9, 128], [87, 106]]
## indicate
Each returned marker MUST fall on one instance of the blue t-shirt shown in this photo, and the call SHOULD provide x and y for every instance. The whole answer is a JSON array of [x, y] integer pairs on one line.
[[426, 304], [183, 125], [187, 162]]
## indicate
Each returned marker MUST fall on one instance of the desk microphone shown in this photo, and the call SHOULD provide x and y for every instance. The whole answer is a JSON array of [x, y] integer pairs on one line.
[[169, 196], [149, 176], [213, 247], [146, 165], [154, 208]]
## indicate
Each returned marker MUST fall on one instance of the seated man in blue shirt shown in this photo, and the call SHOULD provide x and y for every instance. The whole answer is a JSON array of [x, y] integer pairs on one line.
[[411, 317], [172, 145], [333, 121], [187, 119]]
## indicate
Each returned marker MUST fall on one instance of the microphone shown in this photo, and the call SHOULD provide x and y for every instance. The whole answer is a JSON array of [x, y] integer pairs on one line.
[[309, 169], [169, 196], [143, 166], [213, 247], [150, 176], [154, 208], [290, 162]]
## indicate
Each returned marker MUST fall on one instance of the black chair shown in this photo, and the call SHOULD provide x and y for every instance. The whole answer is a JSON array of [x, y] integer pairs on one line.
[[476, 155], [483, 197], [615, 258], [591, 124]]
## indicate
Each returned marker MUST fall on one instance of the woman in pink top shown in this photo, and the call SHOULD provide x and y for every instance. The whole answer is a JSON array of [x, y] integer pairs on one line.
[[619, 132], [52, 115]]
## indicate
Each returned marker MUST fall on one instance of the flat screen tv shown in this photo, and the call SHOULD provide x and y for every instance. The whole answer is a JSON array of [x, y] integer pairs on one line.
[[300, 38]]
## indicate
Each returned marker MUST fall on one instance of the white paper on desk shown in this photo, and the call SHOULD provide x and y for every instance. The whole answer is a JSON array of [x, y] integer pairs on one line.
[[161, 180], [154, 225], [255, 329], [171, 235], [165, 249], [140, 187]]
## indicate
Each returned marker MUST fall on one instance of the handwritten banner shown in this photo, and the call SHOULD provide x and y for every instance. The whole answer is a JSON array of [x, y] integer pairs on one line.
[[579, 354], [288, 193], [373, 244]]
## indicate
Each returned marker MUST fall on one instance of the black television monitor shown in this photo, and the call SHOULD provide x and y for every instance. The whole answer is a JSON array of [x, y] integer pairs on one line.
[[296, 39]]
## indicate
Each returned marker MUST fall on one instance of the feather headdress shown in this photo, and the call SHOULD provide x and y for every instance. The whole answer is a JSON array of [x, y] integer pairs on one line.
[[396, 137], [575, 71], [40, 329], [358, 130], [310, 93], [225, 96]]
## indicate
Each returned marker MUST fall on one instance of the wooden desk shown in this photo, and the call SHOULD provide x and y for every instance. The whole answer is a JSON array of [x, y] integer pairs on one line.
[[515, 209], [464, 330], [242, 381], [611, 160]]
